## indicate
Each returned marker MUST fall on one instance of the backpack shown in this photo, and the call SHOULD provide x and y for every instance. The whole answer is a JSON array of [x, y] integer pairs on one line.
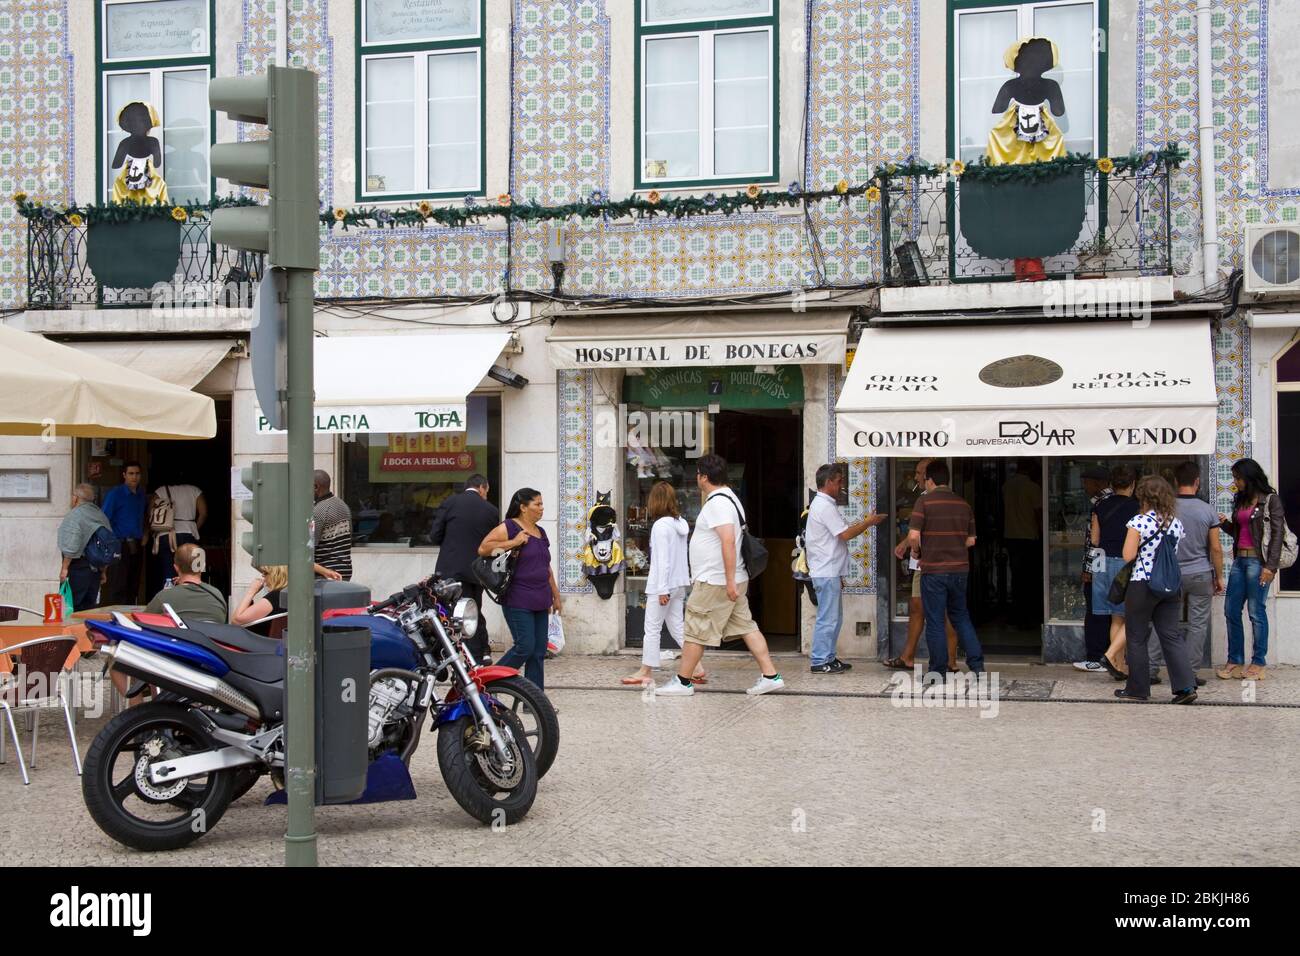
[[1166, 576], [162, 519], [1289, 544], [799, 558], [752, 551], [102, 549]]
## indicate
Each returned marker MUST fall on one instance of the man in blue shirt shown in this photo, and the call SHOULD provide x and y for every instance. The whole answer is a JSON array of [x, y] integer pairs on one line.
[[125, 507]]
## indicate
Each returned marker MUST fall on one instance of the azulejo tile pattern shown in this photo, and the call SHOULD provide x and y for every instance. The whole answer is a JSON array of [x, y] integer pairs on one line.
[[36, 133], [575, 395]]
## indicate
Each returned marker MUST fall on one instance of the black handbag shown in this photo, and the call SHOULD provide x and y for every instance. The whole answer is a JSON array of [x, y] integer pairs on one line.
[[752, 551], [1119, 583], [494, 574]]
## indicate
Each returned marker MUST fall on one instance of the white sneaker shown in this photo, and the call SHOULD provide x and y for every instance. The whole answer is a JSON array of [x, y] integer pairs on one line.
[[674, 688], [1090, 666], [765, 685]]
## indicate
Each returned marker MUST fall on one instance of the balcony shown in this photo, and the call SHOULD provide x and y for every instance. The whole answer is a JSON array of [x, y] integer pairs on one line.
[[1123, 220], [59, 274]]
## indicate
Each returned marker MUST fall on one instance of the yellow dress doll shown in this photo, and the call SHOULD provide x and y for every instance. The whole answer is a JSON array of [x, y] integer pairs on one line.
[[139, 156]]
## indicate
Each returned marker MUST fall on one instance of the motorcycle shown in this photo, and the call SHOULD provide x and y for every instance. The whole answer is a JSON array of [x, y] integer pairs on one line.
[[160, 775]]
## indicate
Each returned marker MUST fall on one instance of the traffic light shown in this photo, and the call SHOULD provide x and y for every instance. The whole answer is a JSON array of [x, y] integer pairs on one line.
[[285, 163], [267, 511]]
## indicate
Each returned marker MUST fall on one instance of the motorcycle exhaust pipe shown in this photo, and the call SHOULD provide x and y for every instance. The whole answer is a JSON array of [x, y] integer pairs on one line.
[[179, 678]]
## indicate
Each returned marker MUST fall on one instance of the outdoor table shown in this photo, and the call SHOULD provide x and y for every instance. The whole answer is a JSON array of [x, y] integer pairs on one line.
[[11, 634]]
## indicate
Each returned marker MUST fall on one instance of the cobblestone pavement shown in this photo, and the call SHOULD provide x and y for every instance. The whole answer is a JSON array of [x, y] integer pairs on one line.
[[794, 779]]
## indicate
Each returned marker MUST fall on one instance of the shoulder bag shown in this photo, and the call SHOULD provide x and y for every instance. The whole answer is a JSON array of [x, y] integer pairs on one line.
[[1119, 584]]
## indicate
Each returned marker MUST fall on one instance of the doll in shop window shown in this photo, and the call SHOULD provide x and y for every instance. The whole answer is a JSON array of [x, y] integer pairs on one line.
[[139, 155]]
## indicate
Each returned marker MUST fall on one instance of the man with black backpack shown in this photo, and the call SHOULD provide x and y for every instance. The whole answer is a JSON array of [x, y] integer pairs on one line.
[[88, 546]]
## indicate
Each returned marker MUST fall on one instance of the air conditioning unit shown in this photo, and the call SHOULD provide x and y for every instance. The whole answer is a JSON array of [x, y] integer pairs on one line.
[[1272, 258]]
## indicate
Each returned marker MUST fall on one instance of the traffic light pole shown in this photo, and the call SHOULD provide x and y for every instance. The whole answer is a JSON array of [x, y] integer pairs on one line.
[[300, 778]]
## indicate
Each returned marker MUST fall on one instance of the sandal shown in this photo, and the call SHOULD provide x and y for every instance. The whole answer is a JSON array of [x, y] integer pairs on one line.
[[1254, 672], [703, 678], [898, 664], [1230, 672], [637, 679]]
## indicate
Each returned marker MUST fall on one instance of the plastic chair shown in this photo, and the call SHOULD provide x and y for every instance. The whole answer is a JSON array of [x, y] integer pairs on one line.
[[42, 657], [9, 612]]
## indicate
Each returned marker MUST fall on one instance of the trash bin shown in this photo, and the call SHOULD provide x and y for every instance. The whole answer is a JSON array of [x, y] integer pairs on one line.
[[342, 696]]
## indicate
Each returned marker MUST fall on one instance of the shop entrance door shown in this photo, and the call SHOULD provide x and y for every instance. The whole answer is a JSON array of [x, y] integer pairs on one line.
[[763, 449], [1006, 576]]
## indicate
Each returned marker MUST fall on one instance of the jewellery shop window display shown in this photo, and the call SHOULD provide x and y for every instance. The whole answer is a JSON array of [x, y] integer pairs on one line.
[[394, 482], [1069, 517]]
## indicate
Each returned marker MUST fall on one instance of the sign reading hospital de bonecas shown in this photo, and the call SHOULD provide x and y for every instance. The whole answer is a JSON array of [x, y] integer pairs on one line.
[[363, 419], [784, 349]]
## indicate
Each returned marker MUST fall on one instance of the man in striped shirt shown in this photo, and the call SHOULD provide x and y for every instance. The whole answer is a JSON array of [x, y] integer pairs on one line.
[[942, 528], [333, 520]]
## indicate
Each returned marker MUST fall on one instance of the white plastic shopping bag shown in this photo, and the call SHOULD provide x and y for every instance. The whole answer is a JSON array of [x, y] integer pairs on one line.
[[555, 634]]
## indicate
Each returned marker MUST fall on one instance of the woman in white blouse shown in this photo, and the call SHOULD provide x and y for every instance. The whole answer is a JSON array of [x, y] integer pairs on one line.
[[665, 589]]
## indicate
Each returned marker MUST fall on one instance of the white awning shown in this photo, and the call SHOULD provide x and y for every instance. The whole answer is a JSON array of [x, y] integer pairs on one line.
[[399, 383], [1093, 389], [183, 362], [703, 339]]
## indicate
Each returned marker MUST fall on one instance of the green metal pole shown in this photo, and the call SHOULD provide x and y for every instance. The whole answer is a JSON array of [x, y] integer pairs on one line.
[[300, 778]]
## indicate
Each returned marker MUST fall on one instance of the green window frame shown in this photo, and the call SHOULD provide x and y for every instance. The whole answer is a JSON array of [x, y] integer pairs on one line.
[[422, 52], [706, 31], [155, 67]]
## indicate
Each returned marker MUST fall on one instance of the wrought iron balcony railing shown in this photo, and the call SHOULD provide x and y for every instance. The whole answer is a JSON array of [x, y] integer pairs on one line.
[[59, 275], [939, 229]]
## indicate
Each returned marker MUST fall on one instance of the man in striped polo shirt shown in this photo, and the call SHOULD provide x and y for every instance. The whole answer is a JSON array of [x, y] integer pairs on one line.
[[333, 519], [942, 528]]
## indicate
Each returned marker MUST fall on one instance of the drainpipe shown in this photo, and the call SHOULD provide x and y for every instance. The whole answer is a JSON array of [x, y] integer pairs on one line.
[[1205, 109], [281, 32]]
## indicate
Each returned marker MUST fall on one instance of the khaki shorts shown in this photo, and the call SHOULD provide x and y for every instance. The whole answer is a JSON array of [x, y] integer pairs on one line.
[[916, 584], [711, 616]]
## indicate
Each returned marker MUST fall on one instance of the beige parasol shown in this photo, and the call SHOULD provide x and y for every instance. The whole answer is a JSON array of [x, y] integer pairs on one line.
[[48, 388]]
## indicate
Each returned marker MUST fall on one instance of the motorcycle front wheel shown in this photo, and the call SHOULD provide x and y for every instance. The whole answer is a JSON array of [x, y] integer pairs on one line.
[[489, 791], [127, 805], [530, 705]]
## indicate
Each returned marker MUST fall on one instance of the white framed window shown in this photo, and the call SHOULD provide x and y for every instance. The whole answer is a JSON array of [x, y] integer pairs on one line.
[[420, 116], [180, 96], [983, 34], [707, 91]]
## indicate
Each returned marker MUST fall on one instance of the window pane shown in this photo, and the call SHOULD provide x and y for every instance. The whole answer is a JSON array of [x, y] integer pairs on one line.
[[395, 21], [659, 11], [453, 121], [1071, 28], [1288, 470], [742, 109], [136, 31], [393, 483], [121, 88], [390, 125], [185, 135], [672, 108], [983, 38]]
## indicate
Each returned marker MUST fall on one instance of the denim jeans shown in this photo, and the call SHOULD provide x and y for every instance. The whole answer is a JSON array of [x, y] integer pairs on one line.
[[946, 594], [528, 628], [1245, 591], [830, 617]]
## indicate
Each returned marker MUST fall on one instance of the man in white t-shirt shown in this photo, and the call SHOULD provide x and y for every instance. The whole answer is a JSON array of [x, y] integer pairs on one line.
[[827, 537], [717, 607]]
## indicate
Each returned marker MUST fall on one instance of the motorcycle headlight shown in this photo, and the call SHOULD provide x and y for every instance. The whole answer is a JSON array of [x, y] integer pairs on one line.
[[466, 612]]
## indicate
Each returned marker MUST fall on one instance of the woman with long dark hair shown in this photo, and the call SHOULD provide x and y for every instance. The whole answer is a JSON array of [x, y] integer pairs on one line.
[[1110, 520], [1257, 515], [1155, 526], [533, 593]]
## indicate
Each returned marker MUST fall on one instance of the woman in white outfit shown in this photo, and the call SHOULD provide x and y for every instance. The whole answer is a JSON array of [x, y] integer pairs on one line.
[[665, 589]]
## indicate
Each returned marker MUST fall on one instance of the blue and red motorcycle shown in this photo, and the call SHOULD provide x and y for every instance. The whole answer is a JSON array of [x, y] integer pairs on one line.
[[161, 774]]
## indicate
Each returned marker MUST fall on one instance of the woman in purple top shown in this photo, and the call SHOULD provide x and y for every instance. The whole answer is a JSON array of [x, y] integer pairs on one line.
[[533, 593], [1257, 513]]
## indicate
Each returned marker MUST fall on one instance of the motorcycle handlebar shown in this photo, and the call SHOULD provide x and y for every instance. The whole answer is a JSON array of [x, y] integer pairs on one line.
[[409, 593]]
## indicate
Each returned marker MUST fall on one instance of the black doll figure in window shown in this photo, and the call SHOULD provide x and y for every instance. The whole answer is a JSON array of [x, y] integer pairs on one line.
[[139, 156], [1026, 133]]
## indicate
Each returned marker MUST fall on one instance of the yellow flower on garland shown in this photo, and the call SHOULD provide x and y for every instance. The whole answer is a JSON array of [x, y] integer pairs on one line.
[[74, 219], [179, 214], [752, 191], [957, 167], [842, 186], [873, 194], [425, 208], [1106, 165], [653, 197], [19, 197], [503, 199], [340, 213]]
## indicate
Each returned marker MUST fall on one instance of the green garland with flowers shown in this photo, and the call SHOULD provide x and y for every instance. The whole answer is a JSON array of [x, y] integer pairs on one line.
[[648, 204]]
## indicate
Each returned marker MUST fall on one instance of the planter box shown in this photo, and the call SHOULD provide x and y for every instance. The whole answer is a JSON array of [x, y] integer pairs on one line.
[[133, 255], [1032, 219]]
